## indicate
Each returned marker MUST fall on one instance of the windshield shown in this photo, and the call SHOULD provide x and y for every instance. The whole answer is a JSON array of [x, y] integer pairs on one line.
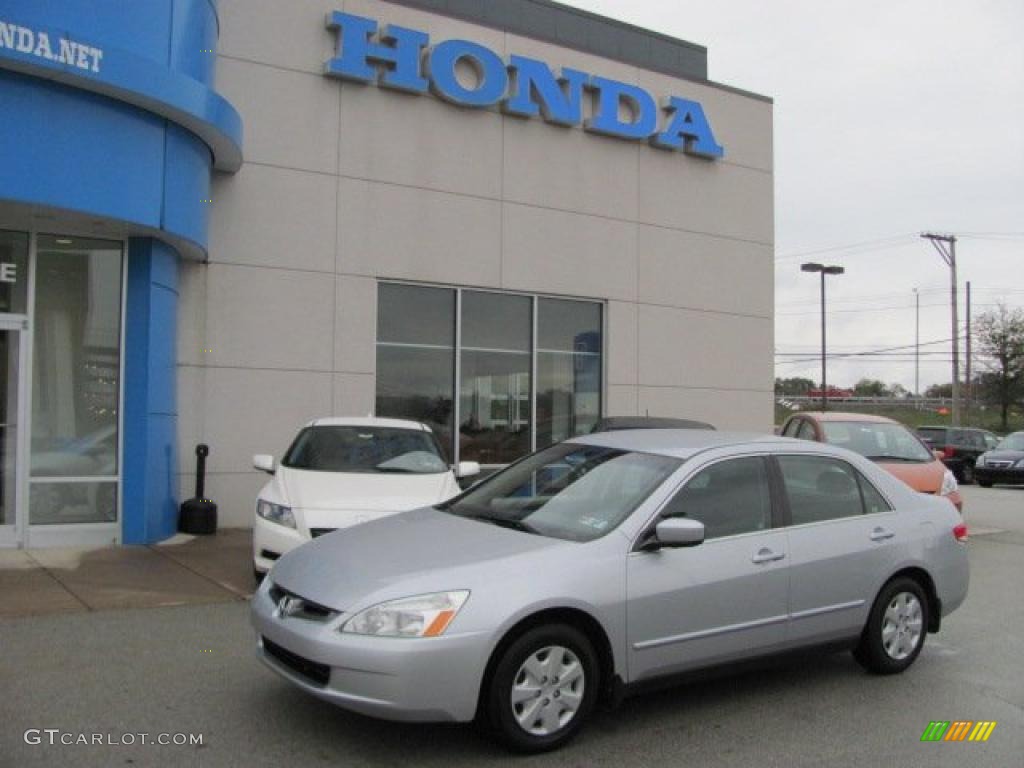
[[877, 440], [568, 491], [365, 449], [1014, 442]]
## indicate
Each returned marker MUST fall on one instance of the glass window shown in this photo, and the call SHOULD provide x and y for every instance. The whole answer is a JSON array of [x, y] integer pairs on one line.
[[730, 498], [502, 368], [791, 427], [416, 356], [13, 272], [568, 491], [494, 390], [877, 440], [365, 449], [874, 502], [806, 431], [568, 369], [820, 488], [75, 381]]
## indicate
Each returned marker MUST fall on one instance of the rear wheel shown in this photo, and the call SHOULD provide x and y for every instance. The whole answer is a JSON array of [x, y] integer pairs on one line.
[[985, 483], [967, 474], [543, 688], [896, 628]]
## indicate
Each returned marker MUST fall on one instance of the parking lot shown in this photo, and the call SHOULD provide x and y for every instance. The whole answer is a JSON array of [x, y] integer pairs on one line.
[[191, 670]]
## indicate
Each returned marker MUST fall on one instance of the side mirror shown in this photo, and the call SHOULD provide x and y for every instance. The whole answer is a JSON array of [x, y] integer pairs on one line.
[[264, 463], [677, 532], [467, 469]]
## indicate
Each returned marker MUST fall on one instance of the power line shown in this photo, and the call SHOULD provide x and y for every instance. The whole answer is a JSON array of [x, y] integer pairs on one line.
[[864, 246]]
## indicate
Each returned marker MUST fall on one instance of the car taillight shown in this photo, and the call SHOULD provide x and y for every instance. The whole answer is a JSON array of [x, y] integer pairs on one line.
[[960, 533], [948, 452]]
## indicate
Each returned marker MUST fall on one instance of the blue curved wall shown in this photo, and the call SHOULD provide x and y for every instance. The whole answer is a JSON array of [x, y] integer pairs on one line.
[[133, 138], [134, 141]]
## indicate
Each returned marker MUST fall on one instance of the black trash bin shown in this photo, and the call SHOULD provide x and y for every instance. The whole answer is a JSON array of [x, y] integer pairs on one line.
[[199, 515]]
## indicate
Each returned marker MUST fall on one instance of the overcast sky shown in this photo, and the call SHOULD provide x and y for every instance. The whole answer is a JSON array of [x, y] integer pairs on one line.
[[891, 118]]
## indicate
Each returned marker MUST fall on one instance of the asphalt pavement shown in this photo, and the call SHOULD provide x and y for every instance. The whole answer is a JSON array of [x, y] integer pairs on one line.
[[190, 672]]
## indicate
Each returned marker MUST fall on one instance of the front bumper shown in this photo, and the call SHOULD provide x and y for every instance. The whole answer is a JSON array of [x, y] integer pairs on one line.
[[1003, 476], [274, 540], [410, 679]]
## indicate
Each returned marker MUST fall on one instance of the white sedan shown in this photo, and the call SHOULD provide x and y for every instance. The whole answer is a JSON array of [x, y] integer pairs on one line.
[[341, 472]]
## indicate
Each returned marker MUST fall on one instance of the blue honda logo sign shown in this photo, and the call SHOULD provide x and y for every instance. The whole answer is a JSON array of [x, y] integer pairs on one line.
[[403, 59]]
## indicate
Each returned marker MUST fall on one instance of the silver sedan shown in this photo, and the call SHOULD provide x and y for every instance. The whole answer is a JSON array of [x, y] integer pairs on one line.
[[607, 561]]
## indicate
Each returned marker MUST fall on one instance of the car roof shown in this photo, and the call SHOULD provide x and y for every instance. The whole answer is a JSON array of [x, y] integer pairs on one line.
[[368, 421], [614, 423], [846, 416], [681, 443]]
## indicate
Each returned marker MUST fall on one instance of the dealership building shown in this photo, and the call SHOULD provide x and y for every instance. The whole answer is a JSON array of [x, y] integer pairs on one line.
[[219, 220]]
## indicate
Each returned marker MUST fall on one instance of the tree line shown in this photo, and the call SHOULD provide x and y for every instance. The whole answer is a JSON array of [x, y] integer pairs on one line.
[[999, 381]]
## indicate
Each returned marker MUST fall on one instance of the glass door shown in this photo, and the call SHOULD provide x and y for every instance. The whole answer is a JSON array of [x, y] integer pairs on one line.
[[10, 431]]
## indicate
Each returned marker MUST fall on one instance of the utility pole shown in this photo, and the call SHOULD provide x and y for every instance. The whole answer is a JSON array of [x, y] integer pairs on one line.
[[917, 344], [946, 246], [970, 385]]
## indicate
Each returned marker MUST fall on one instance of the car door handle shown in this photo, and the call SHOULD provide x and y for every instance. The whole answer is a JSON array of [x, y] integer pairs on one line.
[[881, 534], [767, 556]]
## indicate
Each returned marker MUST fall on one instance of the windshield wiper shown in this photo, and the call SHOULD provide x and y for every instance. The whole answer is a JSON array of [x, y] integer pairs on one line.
[[397, 470], [503, 522]]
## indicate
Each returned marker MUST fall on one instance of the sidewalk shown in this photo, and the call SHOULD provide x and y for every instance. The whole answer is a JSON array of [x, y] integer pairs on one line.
[[181, 571]]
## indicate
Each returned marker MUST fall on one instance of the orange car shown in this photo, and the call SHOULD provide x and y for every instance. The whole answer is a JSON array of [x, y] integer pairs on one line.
[[888, 443]]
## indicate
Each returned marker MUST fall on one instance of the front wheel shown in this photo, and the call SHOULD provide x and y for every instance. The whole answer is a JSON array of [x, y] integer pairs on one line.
[[543, 688], [896, 628], [985, 483]]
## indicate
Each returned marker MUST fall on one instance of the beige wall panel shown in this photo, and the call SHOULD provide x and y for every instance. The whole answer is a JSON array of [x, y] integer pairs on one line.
[[290, 118], [567, 253], [290, 218], [354, 394], [681, 269], [684, 348], [566, 168], [392, 231], [355, 332], [419, 141], [621, 365], [290, 34], [622, 401], [269, 318], [725, 409], [246, 412], [698, 195]]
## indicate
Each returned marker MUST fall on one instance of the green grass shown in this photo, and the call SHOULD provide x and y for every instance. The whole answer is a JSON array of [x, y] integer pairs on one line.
[[985, 418]]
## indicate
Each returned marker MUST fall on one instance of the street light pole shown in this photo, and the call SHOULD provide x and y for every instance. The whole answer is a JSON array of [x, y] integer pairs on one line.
[[823, 270]]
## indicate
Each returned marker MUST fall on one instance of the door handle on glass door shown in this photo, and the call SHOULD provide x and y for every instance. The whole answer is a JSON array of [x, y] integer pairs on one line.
[[767, 556]]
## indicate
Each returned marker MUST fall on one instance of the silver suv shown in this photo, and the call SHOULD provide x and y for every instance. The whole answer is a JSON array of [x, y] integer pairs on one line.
[[606, 561]]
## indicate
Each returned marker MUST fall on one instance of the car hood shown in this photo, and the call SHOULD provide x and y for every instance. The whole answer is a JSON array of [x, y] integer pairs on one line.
[[926, 478], [411, 553], [304, 489], [1004, 456]]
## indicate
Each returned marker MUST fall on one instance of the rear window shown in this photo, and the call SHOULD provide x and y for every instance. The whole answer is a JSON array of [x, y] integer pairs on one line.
[[932, 435], [365, 449], [878, 441]]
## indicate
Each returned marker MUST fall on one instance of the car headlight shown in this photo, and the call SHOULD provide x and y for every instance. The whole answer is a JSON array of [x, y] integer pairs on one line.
[[275, 513], [419, 616], [948, 484]]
